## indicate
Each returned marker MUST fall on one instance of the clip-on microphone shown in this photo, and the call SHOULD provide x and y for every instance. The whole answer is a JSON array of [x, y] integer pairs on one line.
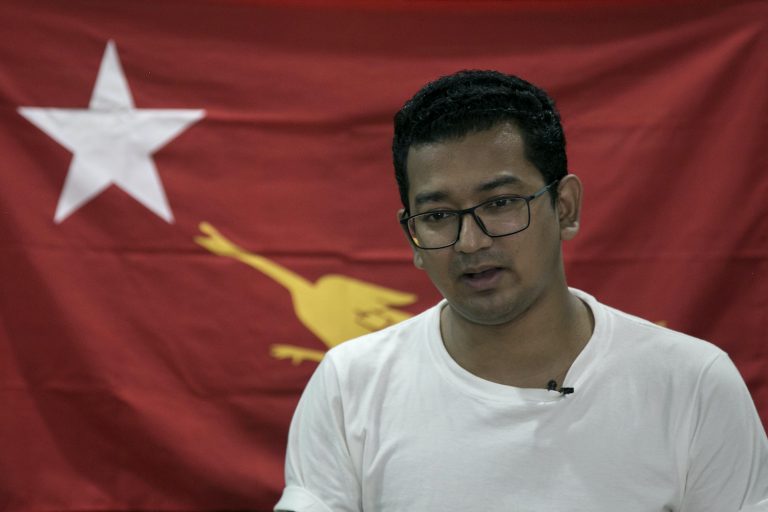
[[552, 386]]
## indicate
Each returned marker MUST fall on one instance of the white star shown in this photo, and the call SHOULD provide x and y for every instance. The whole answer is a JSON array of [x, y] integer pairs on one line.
[[112, 142]]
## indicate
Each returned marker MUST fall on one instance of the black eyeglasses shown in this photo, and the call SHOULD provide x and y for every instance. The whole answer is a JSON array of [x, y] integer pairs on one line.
[[497, 217]]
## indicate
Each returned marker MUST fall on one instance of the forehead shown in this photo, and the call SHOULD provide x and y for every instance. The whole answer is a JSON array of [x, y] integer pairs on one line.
[[458, 169]]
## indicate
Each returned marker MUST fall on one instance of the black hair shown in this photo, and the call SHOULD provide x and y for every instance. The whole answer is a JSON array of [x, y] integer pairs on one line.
[[473, 101]]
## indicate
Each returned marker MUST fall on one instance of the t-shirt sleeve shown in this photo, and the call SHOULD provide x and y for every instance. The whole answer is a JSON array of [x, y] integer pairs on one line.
[[319, 473], [728, 466]]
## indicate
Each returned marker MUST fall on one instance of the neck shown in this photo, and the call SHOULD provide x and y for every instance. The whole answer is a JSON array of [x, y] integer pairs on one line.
[[537, 346]]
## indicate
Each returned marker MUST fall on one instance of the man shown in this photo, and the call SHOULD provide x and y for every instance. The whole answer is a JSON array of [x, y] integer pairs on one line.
[[515, 393]]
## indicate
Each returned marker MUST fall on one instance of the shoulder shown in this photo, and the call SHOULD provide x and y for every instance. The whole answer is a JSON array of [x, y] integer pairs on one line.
[[662, 373], [395, 345], [667, 348], [646, 352], [634, 335]]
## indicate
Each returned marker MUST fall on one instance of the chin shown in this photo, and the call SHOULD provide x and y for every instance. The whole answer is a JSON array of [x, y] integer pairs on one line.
[[486, 314]]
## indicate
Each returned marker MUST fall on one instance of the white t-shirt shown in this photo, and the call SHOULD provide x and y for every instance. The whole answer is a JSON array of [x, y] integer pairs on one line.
[[659, 421]]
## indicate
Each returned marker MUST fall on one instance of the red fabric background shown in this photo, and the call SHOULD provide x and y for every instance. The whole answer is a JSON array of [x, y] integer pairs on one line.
[[135, 366]]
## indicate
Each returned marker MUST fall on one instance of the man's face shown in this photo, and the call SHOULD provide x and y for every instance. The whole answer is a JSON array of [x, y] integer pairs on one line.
[[486, 280]]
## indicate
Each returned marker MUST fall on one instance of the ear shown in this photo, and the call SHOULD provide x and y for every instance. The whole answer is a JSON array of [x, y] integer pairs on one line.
[[418, 261], [569, 192]]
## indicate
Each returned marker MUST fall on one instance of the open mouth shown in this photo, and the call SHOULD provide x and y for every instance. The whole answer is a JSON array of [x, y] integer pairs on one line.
[[485, 274], [483, 280]]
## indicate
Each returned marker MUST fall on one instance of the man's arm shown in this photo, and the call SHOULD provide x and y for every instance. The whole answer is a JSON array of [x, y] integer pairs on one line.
[[319, 473], [728, 454]]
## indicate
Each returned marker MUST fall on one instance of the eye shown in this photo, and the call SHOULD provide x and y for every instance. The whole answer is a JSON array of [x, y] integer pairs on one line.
[[501, 203], [436, 217]]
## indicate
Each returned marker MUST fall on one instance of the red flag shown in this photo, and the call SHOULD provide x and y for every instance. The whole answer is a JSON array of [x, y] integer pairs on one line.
[[197, 201]]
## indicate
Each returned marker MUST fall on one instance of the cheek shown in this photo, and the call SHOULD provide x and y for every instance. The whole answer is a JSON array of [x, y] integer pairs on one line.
[[529, 249], [543, 250], [437, 266]]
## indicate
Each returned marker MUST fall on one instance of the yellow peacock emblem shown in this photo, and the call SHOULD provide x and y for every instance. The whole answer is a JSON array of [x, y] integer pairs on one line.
[[334, 308]]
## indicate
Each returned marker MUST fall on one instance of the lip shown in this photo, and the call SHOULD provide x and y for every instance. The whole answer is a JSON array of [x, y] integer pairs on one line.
[[482, 278], [477, 270]]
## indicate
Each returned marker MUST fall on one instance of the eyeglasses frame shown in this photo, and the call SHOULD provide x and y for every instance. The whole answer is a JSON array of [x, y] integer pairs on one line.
[[471, 211]]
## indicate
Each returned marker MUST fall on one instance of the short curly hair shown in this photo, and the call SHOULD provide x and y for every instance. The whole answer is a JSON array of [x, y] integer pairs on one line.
[[472, 101]]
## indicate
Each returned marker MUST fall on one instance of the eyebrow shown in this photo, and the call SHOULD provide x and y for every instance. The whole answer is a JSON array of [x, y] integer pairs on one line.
[[436, 196], [499, 182], [429, 197]]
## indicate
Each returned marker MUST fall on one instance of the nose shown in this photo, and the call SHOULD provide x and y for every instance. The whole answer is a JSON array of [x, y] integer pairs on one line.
[[471, 236]]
